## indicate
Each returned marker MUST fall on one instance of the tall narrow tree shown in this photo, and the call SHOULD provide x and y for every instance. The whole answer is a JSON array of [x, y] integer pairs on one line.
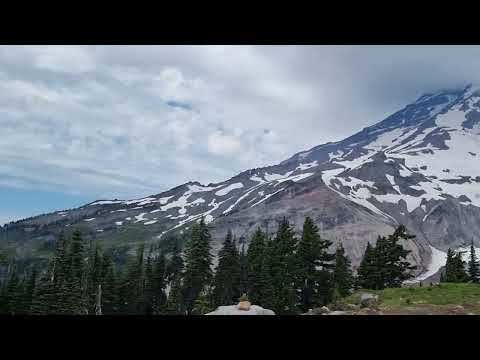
[[227, 275], [255, 260], [198, 261], [342, 275], [282, 270], [473, 266], [313, 267]]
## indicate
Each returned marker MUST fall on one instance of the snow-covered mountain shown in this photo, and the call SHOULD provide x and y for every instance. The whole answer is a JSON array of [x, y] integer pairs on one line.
[[419, 167]]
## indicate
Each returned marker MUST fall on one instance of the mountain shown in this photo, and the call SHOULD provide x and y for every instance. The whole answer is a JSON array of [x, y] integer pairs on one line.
[[419, 167]]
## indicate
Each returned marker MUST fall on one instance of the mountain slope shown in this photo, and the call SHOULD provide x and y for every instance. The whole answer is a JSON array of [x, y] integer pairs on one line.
[[419, 167]]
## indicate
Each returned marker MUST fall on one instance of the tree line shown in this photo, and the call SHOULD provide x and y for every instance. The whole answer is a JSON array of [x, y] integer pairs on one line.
[[458, 271], [284, 273]]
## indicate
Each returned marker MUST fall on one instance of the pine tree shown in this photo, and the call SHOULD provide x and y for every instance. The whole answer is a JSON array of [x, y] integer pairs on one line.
[[473, 266], [76, 289], [366, 273], [282, 270], [342, 275], [398, 269], [61, 277], [134, 285], [29, 293], [227, 275], [175, 303], [313, 267], [175, 265], [44, 302], [255, 260], [174, 276], [13, 290], [109, 286], [95, 277], [198, 261], [149, 284], [202, 304], [454, 268], [159, 283], [243, 287]]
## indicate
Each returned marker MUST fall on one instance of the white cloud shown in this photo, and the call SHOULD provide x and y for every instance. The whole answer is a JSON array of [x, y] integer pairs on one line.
[[224, 145], [128, 121]]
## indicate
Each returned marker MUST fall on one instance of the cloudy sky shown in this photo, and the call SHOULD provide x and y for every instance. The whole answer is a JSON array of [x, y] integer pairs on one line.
[[79, 123]]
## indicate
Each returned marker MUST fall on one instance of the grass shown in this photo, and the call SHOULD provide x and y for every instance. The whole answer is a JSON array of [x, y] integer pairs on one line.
[[439, 298]]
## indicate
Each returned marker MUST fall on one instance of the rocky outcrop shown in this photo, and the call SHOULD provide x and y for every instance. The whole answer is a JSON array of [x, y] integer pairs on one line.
[[235, 310]]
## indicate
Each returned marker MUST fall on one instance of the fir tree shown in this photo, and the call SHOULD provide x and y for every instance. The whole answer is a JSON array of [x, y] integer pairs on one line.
[[76, 289], [109, 286], [133, 285], [202, 304], [398, 269], [255, 260], [149, 284], [282, 270], [473, 266], [454, 268], [159, 284], [45, 295], [175, 303], [95, 277], [342, 275], [227, 275], [313, 263], [29, 293], [198, 261], [366, 273]]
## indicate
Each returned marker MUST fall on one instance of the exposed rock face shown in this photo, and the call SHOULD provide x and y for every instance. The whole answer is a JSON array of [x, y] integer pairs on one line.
[[234, 310], [368, 300], [419, 167]]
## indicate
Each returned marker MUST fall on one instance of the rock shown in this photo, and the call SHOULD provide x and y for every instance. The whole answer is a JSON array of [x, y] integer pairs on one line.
[[233, 310], [368, 300], [321, 311], [338, 312], [352, 307], [244, 305]]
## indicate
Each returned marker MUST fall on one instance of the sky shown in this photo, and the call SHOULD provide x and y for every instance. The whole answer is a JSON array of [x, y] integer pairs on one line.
[[80, 123]]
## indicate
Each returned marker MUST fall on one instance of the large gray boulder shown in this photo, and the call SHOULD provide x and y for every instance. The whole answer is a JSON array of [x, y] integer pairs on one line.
[[368, 300], [234, 310]]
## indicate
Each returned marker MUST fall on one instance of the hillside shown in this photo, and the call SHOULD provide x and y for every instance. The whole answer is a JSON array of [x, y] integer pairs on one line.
[[418, 167]]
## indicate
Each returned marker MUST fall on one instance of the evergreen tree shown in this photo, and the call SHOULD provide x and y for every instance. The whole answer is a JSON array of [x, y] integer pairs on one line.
[[342, 275], [398, 269], [44, 302], [198, 261], [109, 286], [282, 270], [61, 277], [243, 270], [175, 265], [95, 277], [385, 265], [175, 303], [149, 284], [255, 260], [227, 275], [159, 283], [133, 285], [76, 288], [13, 290], [366, 273], [473, 266], [454, 268], [29, 293], [202, 304], [313, 263]]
